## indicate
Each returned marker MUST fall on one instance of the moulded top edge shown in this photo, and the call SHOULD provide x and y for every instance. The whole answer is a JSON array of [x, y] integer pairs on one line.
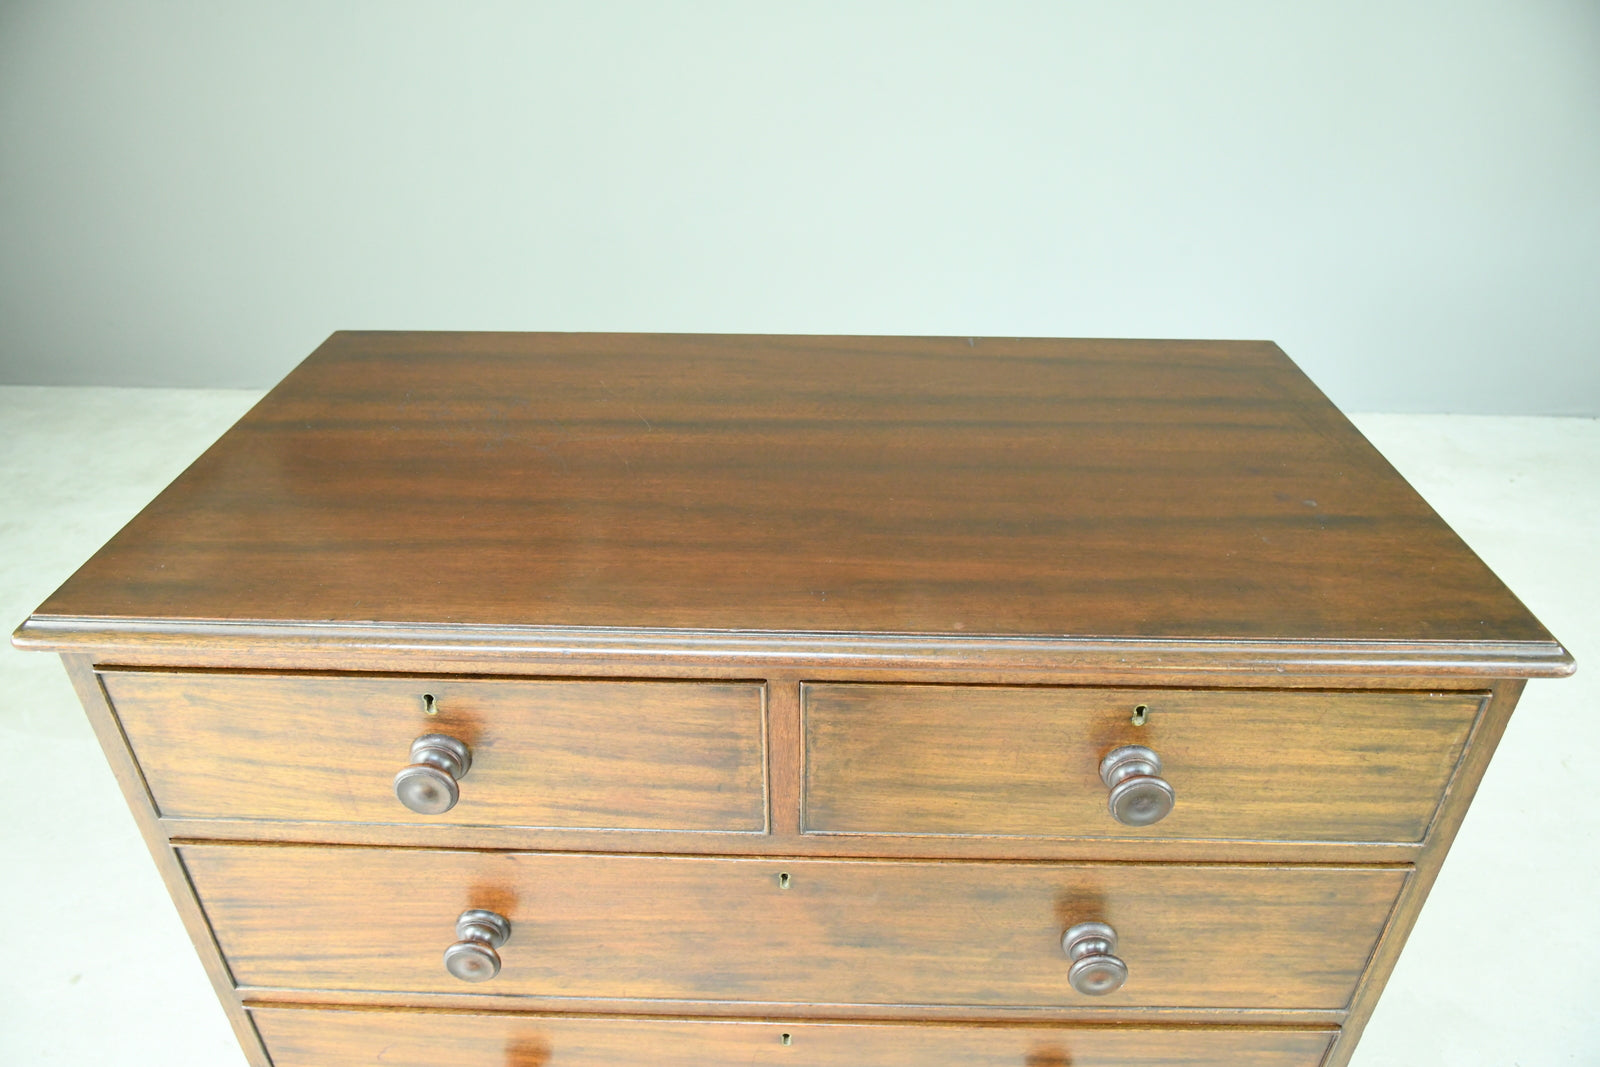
[[1497, 659]]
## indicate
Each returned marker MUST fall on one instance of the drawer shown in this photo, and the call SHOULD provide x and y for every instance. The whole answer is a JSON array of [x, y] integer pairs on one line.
[[1025, 762], [792, 931], [597, 754], [297, 1037]]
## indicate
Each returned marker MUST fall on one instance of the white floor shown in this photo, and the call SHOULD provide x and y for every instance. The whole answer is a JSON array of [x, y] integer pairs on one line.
[[1503, 969]]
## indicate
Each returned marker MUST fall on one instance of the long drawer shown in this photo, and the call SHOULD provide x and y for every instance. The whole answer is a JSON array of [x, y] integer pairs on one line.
[[585, 753], [793, 931], [1242, 765], [321, 1038]]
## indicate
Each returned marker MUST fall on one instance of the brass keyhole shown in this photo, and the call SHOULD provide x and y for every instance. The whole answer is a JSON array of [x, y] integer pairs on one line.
[[1140, 713], [783, 883], [430, 706]]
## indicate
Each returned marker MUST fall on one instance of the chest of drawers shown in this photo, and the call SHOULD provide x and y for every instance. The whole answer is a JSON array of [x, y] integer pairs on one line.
[[578, 700]]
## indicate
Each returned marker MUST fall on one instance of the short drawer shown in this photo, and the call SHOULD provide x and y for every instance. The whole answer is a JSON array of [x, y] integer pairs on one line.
[[585, 754], [1026, 762], [298, 1037], [683, 928]]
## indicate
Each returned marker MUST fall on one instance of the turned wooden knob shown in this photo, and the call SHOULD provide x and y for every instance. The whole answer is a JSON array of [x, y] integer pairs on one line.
[[428, 786], [1095, 970], [473, 958], [1139, 795]]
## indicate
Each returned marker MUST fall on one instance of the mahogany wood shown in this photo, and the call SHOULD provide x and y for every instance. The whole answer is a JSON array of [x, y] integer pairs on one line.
[[807, 931], [717, 653], [791, 843], [824, 485], [307, 1038], [126, 770], [479, 1000], [865, 612], [1319, 766], [1486, 737], [618, 755]]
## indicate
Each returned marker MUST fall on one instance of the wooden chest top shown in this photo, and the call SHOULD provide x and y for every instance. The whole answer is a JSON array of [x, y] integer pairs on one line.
[[1090, 493], [762, 700]]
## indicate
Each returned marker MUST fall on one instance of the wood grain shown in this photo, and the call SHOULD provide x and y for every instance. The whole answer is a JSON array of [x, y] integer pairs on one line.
[[875, 932], [1312, 766], [615, 755], [543, 650], [1108, 489], [274, 996], [787, 841], [134, 790], [1485, 739], [306, 1038], [783, 759], [823, 607]]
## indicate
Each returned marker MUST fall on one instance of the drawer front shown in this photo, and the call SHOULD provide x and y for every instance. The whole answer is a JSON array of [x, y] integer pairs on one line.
[[598, 754], [320, 1038], [793, 931], [1244, 765]]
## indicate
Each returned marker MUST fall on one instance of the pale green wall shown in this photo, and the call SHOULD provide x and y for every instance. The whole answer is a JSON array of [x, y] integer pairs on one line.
[[1405, 195]]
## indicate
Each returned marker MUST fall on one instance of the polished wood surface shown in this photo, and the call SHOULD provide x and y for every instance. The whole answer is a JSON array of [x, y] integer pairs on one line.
[[987, 760], [786, 668], [304, 1038], [606, 754], [1485, 738], [794, 931], [97, 707], [539, 650], [1116, 490]]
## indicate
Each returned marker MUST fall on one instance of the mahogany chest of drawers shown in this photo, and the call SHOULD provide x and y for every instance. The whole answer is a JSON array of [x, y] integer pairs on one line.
[[578, 700]]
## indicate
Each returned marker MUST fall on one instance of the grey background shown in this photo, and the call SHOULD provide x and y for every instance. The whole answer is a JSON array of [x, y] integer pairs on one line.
[[1405, 196]]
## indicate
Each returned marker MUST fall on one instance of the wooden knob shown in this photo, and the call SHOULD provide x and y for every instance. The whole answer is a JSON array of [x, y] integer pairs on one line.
[[1095, 970], [428, 786], [1139, 795], [473, 958]]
